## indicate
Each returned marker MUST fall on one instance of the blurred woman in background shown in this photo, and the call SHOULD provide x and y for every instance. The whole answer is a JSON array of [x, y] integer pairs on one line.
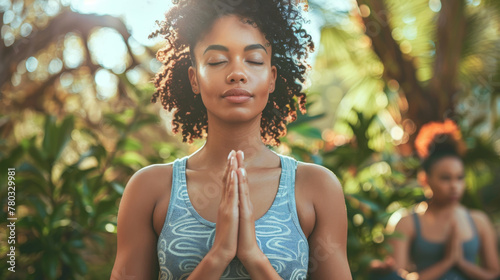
[[447, 240]]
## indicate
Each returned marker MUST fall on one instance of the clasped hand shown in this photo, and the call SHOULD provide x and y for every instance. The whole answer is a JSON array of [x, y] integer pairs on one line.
[[235, 227], [454, 250]]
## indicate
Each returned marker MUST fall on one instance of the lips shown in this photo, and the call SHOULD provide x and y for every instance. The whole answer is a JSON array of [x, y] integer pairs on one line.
[[236, 92], [237, 95]]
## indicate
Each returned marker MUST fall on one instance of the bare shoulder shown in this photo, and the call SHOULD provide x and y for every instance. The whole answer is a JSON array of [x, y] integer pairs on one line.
[[479, 216], [318, 178], [150, 182], [321, 189], [406, 224], [481, 220]]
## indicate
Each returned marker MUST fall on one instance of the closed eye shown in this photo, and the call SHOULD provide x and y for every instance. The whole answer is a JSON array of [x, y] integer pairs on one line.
[[255, 62], [216, 63]]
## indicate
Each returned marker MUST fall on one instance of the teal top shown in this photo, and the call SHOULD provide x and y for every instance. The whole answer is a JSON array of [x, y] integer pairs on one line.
[[426, 253], [187, 237]]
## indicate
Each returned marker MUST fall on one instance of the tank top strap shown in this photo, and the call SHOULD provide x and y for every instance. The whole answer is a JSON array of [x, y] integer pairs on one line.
[[174, 189], [177, 173], [417, 225], [289, 166]]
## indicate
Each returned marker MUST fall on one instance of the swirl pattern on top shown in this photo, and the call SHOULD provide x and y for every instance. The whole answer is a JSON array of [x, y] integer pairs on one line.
[[187, 237]]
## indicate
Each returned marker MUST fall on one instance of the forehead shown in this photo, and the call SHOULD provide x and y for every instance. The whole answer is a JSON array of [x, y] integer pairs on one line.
[[451, 165], [232, 31]]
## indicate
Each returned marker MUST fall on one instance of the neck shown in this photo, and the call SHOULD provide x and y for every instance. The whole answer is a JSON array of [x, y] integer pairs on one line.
[[442, 209], [222, 137]]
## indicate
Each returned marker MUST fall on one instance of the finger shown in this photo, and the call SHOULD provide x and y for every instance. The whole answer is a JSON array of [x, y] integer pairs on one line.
[[240, 156], [233, 192], [229, 181], [226, 180], [244, 193], [228, 169]]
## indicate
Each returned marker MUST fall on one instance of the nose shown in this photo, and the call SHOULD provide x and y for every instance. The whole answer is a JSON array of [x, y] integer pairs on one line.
[[236, 76], [456, 186]]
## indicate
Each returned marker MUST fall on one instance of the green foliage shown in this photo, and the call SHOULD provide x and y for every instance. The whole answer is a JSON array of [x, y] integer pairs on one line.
[[65, 208]]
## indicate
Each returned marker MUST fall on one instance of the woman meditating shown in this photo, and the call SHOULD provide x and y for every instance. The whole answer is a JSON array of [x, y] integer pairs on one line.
[[233, 72], [447, 241]]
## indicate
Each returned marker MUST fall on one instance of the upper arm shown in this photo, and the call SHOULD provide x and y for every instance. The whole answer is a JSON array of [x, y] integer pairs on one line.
[[136, 248], [327, 242], [488, 241], [401, 242]]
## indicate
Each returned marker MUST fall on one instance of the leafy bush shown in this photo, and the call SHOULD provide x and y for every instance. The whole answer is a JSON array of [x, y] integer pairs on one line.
[[68, 188]]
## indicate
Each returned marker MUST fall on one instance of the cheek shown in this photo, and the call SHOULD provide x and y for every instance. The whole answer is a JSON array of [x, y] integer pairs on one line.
[[438, 186], [205, 76], [262, 78]]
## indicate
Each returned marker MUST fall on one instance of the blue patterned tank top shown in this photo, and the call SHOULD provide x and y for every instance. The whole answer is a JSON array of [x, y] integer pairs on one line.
[[186, 237]]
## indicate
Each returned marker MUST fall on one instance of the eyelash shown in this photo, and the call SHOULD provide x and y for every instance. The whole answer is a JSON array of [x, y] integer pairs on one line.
[[215, 63], [252, 62]]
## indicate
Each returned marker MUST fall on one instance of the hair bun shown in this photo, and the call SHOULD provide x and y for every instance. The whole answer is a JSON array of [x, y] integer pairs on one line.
[[439, 137]]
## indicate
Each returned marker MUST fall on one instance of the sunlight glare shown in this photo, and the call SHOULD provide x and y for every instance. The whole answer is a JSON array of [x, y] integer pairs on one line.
[[73, 53], [26, 29], [107, 84], [139, 16], [397, 133], [435, 5], [55, 66], [133, 75], [154, 65], [66, 79], [51, 8], [108, 49], [358, 219], [410, 32], [8, 17], [31, 64], [4, 5]]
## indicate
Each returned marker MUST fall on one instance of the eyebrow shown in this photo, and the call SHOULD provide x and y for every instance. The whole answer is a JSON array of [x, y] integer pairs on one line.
[[254, 47], [225, 49]]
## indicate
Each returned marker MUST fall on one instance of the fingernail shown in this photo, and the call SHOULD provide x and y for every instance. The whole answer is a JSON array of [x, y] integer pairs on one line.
[[242, 155], [243, 172], [231, 161], [230, 153], [232, 175]]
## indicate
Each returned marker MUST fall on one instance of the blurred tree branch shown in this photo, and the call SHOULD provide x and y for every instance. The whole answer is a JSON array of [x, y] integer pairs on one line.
[[450, 37], [40, 39], [396, 65], [434, 101], [66, 21]]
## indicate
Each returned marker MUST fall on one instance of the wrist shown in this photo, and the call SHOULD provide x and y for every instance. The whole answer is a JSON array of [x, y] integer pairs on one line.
[[218, 258], [449, 262], [254, 258], [258, 266], [461, 262]]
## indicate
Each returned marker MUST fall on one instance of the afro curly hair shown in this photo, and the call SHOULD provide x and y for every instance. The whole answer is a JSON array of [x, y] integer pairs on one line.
[[437, 140], [185, 24]]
